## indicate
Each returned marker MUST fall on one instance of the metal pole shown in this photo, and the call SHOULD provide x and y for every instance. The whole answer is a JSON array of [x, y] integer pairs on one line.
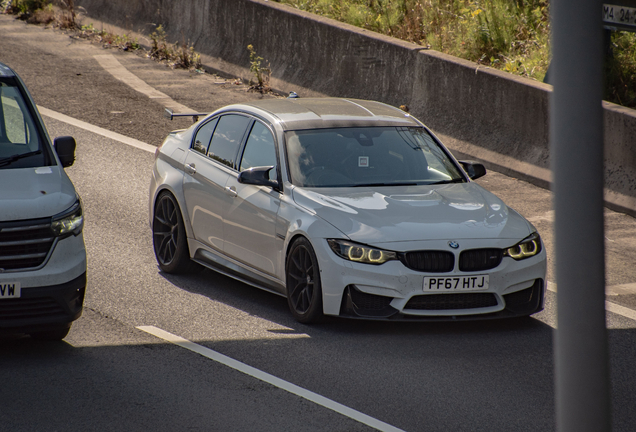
[[576, 135]]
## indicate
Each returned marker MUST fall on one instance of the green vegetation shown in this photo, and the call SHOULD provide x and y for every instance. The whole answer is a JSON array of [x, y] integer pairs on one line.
[[65, 17], [179, 56], [42, 12], [261, 73], [109, 40], [510, 35], [620, 70]]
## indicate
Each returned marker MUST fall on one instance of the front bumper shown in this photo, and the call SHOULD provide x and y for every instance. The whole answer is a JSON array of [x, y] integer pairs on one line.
[[43, 308], [357, 304], [393, 291]]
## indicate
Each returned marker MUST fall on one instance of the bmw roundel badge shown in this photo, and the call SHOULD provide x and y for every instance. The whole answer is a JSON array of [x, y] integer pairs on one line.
[[453, 244]]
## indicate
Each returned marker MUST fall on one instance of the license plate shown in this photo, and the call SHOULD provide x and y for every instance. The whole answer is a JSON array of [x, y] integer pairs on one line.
[[457, 283], [9, 290], [619, 14]]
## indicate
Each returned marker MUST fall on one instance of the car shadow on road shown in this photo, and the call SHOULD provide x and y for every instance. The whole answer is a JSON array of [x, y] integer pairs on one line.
[[503, 366], [274, 308]]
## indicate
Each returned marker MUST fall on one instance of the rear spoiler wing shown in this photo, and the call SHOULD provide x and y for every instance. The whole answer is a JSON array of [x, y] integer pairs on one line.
[[169, 114]]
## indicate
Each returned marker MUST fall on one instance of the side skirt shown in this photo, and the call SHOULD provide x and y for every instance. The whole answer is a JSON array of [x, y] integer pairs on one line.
[[229, 268]]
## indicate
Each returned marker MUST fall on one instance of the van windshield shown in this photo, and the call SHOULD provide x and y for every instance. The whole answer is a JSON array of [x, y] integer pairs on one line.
[[20, 141]]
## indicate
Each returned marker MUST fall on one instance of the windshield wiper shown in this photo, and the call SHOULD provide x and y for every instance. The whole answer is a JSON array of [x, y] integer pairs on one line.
[[457, 180], [9, 160], [385, 184]]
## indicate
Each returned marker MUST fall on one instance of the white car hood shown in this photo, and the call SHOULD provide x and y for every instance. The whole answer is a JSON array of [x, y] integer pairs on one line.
[[404, 213], [31, 193]]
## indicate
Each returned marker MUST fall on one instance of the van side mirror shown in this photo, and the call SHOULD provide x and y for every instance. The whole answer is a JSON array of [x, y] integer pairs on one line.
[[65, 148], [473, 169]]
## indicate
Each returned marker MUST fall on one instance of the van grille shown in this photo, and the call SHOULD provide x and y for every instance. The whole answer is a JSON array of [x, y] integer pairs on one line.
[[27, 308], [25, 245]]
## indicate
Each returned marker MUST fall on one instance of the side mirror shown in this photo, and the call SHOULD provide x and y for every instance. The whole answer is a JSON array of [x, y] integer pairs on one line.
[[258, 176], [65, 148], [473, 169]]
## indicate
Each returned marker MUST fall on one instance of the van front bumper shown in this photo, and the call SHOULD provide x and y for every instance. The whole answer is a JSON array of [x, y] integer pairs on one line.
[[43, 308]]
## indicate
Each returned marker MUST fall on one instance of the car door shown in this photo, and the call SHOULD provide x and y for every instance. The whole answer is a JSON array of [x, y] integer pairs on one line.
[[208, 164], [250, 219]]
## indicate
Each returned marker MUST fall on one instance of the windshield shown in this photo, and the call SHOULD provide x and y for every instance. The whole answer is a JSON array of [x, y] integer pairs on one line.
[[20, 143], [376, 156]]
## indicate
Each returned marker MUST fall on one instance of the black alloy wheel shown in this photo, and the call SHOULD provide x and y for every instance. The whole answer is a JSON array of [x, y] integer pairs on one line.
[[169, 237], [304, 292]]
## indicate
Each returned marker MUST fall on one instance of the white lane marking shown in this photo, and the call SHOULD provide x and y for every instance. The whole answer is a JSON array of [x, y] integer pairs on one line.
[[620, 310], [609, 306], [623, 289], [270, 379], [117, 70], [97, 130]]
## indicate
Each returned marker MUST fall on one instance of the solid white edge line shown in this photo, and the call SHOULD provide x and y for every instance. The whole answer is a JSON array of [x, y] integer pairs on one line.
[[96, 129], [270, 379], [609, 306]]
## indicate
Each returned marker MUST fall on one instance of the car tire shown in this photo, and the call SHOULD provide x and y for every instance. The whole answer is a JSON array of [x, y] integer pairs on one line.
[[169, 237], [304, 291], [51, 335]]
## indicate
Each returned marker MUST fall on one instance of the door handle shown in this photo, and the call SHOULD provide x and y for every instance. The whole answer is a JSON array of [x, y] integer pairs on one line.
[[231, 191], [190, 169]]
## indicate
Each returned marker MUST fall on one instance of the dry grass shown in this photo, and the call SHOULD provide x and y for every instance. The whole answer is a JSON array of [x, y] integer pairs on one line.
[[62, 14]]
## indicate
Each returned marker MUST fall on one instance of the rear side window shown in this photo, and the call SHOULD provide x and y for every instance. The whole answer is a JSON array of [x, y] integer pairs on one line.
[[260, 150], [204, 134], [20, 143], [227, 138]]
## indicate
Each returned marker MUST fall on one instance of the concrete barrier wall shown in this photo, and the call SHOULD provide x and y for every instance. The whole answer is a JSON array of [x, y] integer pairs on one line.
[[478, 112]]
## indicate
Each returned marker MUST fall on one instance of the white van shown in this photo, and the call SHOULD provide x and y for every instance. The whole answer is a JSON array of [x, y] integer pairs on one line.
[[42, 253]]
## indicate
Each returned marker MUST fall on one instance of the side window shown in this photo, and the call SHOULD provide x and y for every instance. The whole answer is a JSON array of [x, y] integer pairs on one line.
[[204, 134], [17, 127], [227, 138], [259, 150]]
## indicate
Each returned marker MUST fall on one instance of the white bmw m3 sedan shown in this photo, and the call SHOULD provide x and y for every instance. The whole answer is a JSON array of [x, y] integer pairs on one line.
[[346, 207]]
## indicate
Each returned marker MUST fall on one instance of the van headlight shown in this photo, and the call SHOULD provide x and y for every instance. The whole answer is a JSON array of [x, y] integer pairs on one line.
[[69, 222], [526, 248], [360, 253]]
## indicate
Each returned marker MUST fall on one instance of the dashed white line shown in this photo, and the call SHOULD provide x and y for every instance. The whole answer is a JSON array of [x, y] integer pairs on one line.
[[620, 310], [270, 379]]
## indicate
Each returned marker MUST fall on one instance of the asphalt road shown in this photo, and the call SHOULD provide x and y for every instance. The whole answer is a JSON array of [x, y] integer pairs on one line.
[[111, 375]]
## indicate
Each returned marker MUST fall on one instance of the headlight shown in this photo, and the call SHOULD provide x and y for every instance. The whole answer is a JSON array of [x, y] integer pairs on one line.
[[526, 248], [360, 253], [69, 222]]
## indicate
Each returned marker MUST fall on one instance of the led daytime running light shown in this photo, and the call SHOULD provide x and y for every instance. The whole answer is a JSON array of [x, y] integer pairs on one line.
[[360, 253], [526, 248]]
